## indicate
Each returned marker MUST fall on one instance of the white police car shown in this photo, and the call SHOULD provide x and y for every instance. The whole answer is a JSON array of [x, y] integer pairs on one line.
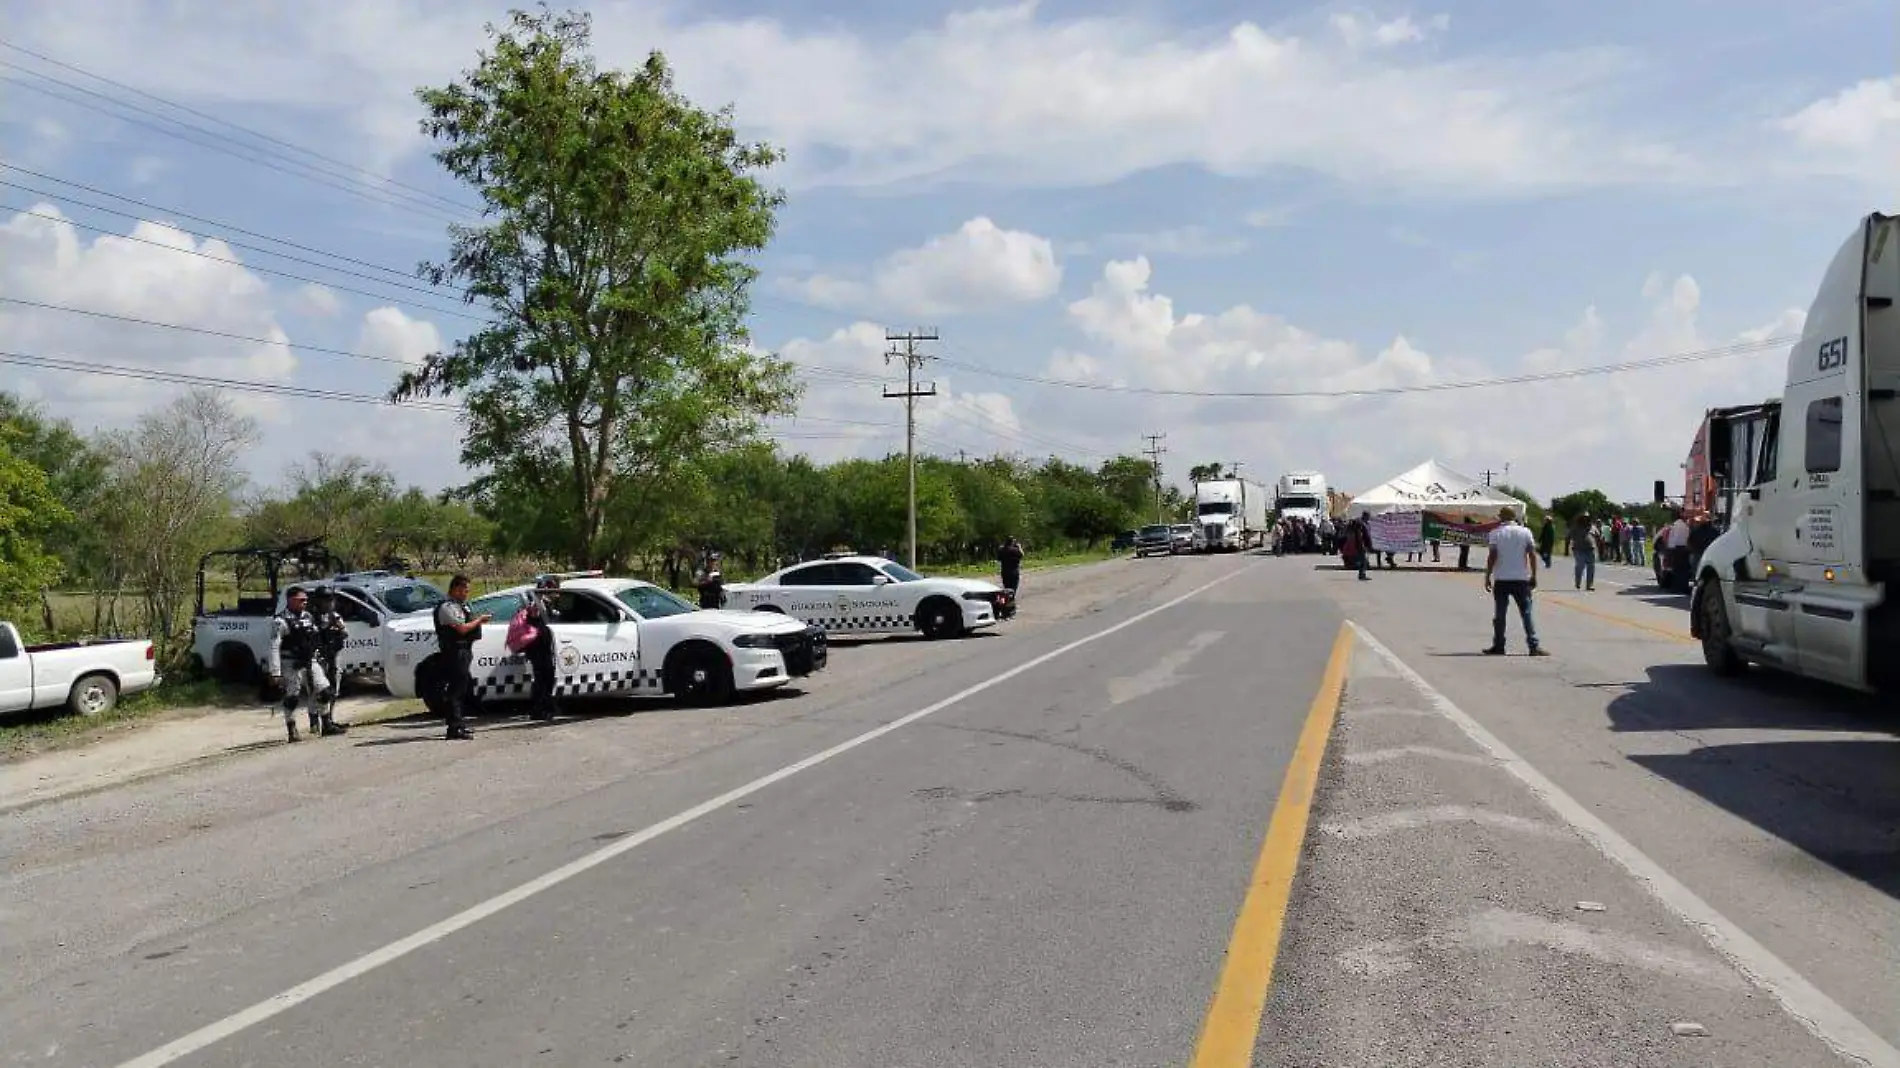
[[872, 595], [615, 637]]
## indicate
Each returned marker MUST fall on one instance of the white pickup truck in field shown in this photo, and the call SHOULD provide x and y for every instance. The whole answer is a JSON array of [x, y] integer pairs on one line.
[[87, 678]]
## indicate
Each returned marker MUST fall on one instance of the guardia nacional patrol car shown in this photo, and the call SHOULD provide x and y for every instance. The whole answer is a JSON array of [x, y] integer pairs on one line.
[[615, 637], [872, 595]]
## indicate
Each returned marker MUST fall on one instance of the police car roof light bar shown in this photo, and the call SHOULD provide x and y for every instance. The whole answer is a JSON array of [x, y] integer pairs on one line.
[[595, 573]]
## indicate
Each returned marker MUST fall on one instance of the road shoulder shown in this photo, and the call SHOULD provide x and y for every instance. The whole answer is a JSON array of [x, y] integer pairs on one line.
[[1444, 915]]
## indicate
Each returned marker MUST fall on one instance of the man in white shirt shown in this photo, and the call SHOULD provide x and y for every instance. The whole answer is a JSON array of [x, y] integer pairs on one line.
[[1510, 574]]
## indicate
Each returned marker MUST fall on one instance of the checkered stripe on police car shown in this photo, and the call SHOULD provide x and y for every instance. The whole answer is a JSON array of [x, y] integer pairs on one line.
[[877, 622], [520, 683]]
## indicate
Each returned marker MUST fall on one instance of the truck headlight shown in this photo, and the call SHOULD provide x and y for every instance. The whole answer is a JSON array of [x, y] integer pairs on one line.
[[755, 641]]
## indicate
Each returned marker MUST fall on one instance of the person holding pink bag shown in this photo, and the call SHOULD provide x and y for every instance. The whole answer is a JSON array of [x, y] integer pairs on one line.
[[530, 633]]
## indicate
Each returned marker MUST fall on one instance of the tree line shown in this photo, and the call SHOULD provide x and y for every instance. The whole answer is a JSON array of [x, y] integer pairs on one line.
[[123, 517]]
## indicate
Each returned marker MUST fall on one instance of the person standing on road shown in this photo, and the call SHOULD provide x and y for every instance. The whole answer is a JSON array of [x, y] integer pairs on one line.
[[1547, 539], [711, 582], [332, 632], [1359, 542], [455, 635], [296, 662], [1510, 575], [540, 650], [1009, 559], [1582, 546]]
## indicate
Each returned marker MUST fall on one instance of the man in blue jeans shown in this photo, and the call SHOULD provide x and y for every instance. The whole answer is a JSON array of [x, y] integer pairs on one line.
[[1510, 574]]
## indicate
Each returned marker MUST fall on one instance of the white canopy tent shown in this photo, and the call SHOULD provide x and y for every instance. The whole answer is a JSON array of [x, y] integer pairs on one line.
[[1433, 487]]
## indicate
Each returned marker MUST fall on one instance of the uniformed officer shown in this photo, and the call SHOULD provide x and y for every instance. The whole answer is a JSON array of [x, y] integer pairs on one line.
[[296, 661], [540, 652], [711, 582], [455, 634], [332, 632]]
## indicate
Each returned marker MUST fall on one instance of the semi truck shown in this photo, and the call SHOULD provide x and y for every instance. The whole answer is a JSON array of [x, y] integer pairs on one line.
[[1802, 580], [1230, 515], [1302, 495]]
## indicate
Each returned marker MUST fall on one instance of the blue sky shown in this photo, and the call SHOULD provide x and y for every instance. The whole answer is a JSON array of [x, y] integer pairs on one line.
[[1199, 196]]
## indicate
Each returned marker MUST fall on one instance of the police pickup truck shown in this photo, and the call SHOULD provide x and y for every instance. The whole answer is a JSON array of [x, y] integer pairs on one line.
[[614, 637], [232, 644], [872, 595]]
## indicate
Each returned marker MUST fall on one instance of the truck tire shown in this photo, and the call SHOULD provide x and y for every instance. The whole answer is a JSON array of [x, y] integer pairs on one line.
[[1712, 614], [232, 662], [93, 695]]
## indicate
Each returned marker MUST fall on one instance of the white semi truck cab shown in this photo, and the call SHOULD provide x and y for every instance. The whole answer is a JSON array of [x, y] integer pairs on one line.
[[1804, 578], [1230, 515], [1301, 494]]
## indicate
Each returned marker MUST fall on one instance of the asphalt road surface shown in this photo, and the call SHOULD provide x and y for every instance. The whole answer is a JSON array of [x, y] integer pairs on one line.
[[1072, 842]]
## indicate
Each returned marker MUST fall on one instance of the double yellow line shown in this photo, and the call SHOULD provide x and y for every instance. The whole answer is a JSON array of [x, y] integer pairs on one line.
[[1233, 1018]]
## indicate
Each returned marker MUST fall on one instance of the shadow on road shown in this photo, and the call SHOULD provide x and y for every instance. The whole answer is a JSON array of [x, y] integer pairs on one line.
[[1656, 595], [1838, 800]]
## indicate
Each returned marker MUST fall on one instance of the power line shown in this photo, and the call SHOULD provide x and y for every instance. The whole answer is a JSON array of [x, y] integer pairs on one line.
[[235, 263], [259, 157], [61, 363], [149, 206], [1740, 348], [320, 265], [202, 330], [383, 178]]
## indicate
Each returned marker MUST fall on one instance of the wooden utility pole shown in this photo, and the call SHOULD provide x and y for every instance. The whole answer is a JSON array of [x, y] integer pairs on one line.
[[913, 362], [1154, 451]]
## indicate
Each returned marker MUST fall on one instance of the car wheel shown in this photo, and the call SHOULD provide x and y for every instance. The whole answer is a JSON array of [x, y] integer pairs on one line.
[[93, 695], [939, 618], [699, 675], [1717, 651]]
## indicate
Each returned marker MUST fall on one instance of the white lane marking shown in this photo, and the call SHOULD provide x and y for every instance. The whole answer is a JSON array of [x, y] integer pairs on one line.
[[1381, 756], [335, 977], [1496, 928], [1358, 711], [1164, 673], [1824, 1018], [1408, 819]]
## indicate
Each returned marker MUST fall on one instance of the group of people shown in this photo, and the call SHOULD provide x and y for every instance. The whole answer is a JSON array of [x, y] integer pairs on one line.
[[1297, 534]]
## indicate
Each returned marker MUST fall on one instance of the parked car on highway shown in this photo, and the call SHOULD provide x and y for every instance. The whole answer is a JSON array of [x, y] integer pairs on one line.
[[88, 678], [1183, 537], [614, 637], [1123, 542], [872, 595], [1154, 540]]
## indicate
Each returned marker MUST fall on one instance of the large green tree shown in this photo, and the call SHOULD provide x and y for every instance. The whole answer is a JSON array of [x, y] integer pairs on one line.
[[612, 258], [29, 512]]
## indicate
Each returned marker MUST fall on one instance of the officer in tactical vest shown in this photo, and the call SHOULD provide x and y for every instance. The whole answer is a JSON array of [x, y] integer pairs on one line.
[[332, 632], [296, 661], [455, 635]]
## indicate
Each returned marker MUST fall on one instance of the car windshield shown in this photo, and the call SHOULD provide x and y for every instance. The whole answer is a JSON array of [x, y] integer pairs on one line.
[[1156, 531], [652, 602], [411, 597], [900, 572]]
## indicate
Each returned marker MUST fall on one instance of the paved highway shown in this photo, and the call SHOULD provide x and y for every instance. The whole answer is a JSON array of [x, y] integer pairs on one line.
[[1069, 843]]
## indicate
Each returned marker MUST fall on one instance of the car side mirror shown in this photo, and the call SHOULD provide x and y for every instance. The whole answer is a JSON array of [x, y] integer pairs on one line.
[[881, 580]]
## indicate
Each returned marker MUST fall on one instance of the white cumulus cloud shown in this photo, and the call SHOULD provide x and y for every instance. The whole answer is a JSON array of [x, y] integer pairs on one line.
[[392, 334], [978, 267]]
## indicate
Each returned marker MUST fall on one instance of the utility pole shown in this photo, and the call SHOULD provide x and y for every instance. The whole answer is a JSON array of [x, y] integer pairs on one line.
[[1154, 451], [1506, 473], [913, 362]]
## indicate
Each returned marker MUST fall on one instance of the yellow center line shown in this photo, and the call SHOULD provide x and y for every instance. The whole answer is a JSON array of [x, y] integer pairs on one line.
[[1598, 613], [1240, 996], [1611, 617]]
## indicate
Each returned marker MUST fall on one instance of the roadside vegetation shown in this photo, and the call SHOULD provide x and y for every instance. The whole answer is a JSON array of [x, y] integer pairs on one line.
[[614, 406]]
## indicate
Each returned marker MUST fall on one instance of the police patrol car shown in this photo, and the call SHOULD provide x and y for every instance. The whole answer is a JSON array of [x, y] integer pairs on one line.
[[615, 637], [233, 644], [872, 595]]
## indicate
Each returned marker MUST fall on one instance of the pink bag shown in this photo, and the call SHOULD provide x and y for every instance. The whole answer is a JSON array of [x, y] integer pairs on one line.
[[521, 632]]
